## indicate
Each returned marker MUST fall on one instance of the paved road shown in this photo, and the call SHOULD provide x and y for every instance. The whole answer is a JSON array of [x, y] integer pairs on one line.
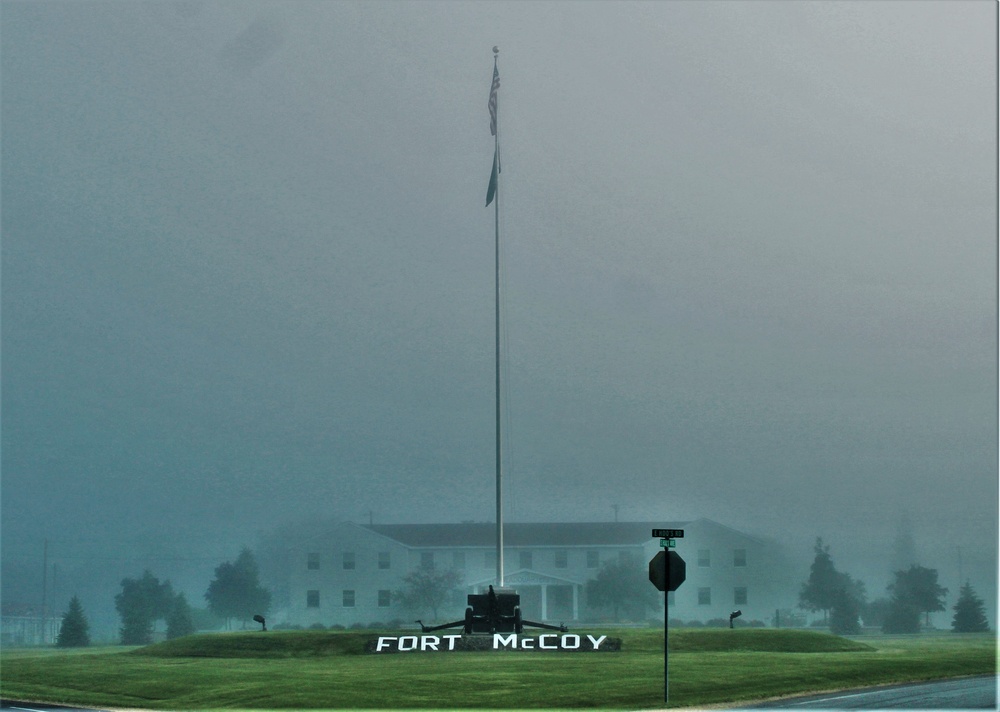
[[958, 694], [39, 707]]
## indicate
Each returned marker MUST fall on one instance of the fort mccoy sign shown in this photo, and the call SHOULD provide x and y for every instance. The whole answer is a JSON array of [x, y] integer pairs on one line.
[[556, 642]]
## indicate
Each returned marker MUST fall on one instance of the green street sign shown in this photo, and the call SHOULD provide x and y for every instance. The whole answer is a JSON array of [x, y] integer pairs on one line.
[[668, 543], [669, 533]]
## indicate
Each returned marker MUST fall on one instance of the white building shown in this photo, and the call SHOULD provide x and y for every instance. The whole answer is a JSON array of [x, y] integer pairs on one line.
[[348, 575]]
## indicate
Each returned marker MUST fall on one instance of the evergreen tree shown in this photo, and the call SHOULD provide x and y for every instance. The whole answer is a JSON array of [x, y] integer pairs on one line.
[[75, 631], [180, 621], [820, 591], [970, 612], [235, 592]]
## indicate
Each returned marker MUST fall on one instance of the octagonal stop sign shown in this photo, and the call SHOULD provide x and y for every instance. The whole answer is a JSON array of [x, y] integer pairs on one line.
[[667, 571]]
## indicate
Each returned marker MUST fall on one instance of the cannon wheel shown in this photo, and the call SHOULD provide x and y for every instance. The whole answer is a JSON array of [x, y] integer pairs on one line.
[[468, 620], [518, 624]]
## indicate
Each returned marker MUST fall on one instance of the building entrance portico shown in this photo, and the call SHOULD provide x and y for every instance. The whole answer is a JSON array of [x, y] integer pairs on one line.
[[543, 597]]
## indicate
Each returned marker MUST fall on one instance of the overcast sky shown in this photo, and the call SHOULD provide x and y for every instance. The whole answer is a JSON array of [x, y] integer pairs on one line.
[[750, 267]]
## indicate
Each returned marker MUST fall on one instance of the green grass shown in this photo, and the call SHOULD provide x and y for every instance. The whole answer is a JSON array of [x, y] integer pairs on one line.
[[324, 670]]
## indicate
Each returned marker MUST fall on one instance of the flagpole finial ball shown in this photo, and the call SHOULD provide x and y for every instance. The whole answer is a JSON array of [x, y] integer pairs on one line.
[[495, 50]]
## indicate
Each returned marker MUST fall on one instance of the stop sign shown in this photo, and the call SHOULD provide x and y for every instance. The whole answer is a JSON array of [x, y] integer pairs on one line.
[[667, 571]]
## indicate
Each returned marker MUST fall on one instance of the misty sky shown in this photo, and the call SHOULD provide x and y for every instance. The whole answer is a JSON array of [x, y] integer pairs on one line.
[[750, 267]]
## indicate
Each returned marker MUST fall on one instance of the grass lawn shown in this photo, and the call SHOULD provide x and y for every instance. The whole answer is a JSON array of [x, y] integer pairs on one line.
[[324, 670]]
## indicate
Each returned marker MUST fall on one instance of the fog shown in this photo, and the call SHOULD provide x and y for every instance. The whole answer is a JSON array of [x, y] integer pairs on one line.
[[750, 274]]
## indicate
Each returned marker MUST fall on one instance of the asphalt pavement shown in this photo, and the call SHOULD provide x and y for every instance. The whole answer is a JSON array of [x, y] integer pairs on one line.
[[955, 694]]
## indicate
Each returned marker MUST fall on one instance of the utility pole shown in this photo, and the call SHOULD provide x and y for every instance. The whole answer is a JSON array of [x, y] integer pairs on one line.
[[45, 581]]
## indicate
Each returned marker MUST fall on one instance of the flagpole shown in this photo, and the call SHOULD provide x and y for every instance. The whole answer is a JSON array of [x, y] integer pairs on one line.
[[496, 226]]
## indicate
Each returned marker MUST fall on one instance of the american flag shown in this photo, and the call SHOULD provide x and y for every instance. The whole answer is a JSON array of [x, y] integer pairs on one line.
[[493, 100]]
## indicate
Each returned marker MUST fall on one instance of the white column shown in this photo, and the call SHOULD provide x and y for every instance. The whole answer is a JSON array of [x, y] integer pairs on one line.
[[545, 596], [576, 602]]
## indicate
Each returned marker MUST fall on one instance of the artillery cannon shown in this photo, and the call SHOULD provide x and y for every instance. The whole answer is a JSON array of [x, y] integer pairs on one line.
[[492, 612]]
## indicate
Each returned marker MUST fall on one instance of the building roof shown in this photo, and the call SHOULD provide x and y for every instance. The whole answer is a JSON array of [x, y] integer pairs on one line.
[[523, 533]]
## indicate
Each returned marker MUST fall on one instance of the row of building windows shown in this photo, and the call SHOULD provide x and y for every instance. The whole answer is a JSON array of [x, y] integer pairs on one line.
[[384, 597], [348, 598], [348, 560], [428, 559], [739, 596], [705, 557], [525, 559]]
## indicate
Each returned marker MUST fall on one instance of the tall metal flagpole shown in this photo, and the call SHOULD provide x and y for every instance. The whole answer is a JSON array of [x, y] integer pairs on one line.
[[494, 114]]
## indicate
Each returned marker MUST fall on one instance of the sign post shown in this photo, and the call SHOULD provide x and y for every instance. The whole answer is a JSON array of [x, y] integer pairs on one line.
[[667, 572]]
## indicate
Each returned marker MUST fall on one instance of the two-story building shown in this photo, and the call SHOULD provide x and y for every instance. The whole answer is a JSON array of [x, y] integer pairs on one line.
[[349, 574]]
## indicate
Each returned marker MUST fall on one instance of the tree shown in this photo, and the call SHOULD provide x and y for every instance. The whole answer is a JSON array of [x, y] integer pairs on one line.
[[622, 585], [235, 592], [918, 587], [141, 602], [902, 617], [427, 590], [970, 612], [180, 621], [875, 612], [820, 591], [845, 611], [74, 631]]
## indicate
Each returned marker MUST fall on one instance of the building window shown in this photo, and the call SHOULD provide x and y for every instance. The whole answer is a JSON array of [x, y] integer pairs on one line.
[[384, 598], [312, 560], [704, 597], [593, 559], [348, 559], [562, 559], [348, 599], [458, 559], [524, 558], [739, 557], [704, 557], [740, 595], [312, 599], [427, 560], [383, 559]]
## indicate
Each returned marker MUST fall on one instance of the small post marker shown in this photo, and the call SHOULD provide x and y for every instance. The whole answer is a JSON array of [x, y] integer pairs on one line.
[[668, 543]]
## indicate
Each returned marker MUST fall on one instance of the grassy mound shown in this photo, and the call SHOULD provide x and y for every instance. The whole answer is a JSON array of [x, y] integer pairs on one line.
[[292, 644], [257, 644]]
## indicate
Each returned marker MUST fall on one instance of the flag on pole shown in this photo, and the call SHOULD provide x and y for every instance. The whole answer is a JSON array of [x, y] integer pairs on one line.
[[491, 191], [493, 100]]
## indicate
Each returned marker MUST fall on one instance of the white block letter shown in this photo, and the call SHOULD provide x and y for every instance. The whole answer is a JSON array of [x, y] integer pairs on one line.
[[500, 642], [383, 643], [543, 646], [575, 639], [429, 642], [408, 642], [596, 641]]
